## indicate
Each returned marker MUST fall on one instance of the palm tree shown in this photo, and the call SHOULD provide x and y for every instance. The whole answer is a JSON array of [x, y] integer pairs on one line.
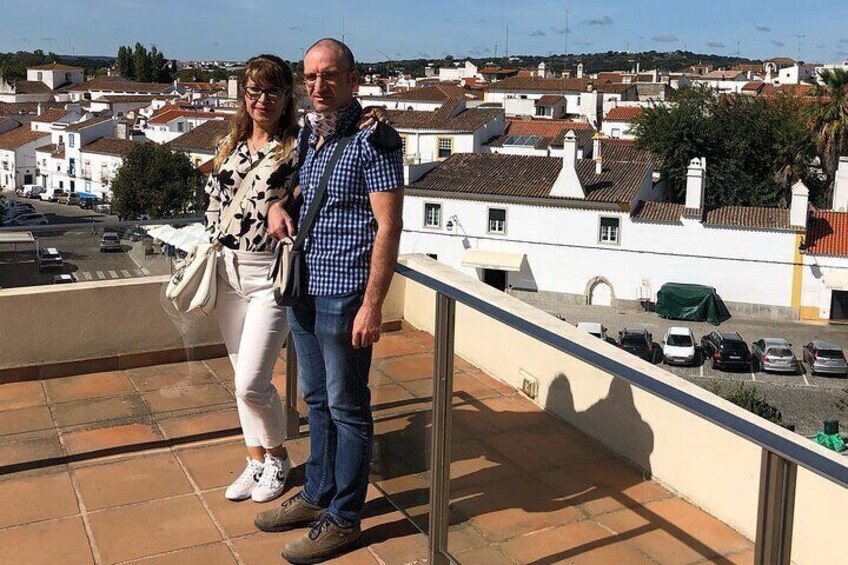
[[829, 119]]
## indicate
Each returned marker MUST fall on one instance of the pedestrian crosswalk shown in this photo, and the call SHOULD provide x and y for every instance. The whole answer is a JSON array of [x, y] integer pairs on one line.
[[111, 275]]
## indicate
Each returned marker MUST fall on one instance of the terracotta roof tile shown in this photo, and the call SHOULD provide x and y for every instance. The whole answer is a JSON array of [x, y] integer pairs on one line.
[[723, 75], [51, 115], [827, 233], [541, 84], [31, 87], [468, 120], [609, 77], [110, 146], [750, 217], [204, 138], [625, 150], [436, 93], [529, 177], [658, 212], [549, 100], [163, 117], [624, 113], [54, 67], [114, 84], [11, 108], [615, 88], [19, 137]]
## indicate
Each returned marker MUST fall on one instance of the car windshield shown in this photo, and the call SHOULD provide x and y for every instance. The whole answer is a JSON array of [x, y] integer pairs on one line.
[[735, 346], [633, 339], [110, 236], [780, 352], [829, 354], [676, 340]]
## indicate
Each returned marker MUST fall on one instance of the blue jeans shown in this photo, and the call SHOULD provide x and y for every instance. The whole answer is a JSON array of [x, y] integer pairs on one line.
[[333, 378]]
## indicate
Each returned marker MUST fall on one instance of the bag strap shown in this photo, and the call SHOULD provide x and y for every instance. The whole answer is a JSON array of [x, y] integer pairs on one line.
[[306, 226], [244, 188]]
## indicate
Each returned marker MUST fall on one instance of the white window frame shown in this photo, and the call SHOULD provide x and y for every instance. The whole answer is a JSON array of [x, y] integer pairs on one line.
[[489, 220], [439, 141], [71, 141], [605, 238], [427, 225]]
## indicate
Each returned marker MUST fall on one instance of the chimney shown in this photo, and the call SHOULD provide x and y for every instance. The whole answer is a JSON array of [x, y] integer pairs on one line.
[[39, 109], [840, 186], [800, 204], [568, 184], [696, 177], [580, 70], [638, 67], [596, 145]]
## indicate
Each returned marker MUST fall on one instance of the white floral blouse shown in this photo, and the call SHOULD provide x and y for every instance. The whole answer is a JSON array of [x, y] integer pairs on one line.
[[271, 182]]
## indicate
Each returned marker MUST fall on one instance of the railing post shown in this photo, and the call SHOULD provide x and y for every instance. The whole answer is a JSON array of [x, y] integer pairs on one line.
[[441, 433], [775, 511], [292, 415]]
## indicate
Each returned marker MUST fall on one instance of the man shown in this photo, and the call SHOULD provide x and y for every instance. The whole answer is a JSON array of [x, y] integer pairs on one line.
[[350, 257]]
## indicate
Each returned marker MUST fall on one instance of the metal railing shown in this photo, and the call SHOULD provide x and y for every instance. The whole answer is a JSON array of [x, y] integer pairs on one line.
[[781, 456]]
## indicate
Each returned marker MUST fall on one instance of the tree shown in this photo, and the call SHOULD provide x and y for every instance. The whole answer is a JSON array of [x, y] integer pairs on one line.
[[125, 62], [141, 64], [756, 148], [828, 116], [156, 181]]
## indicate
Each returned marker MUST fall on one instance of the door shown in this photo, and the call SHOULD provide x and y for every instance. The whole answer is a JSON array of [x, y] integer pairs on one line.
[[839, 305], [28, 179], [495, 278], [601, 295]]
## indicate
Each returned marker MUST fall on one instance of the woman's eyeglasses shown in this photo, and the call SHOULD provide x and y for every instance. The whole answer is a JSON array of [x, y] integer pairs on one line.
[[272, 94]]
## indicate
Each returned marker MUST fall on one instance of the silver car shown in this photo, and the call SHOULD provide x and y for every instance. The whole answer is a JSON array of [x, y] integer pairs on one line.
[[774, 354], [825, 357]]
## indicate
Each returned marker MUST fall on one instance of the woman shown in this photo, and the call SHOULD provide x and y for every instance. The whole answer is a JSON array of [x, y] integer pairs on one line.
[[260, 152]]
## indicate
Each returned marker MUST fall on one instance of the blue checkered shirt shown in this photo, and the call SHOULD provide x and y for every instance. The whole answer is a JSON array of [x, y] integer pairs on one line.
[[338, 250]]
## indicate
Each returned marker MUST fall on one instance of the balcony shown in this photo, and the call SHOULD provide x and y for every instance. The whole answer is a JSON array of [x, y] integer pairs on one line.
[[119, 435]]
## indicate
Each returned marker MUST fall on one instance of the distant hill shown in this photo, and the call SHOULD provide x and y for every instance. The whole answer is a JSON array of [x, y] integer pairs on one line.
[[673, 61]]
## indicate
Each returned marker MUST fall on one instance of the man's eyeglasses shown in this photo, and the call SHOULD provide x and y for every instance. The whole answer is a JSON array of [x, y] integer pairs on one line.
[[272, 94], [330, 77]]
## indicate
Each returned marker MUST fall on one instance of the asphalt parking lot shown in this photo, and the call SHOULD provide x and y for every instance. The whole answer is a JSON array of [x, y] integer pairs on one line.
[[804, 400]]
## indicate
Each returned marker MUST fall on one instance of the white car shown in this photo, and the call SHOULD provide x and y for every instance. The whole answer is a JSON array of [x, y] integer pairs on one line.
[[29, 220], [593, 328], [32, 191], [679, 347]]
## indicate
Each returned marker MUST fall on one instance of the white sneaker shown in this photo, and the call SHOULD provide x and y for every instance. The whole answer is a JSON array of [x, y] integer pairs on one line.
[[273, 479], [243, 486]]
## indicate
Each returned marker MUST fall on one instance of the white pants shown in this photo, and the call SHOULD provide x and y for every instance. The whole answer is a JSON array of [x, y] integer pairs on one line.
[[254, 330]]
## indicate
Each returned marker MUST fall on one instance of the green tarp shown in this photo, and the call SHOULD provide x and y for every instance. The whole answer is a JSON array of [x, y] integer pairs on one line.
[[691, 302]]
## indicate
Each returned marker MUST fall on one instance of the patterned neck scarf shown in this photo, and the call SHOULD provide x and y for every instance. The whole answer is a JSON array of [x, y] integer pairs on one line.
[[323, 124]]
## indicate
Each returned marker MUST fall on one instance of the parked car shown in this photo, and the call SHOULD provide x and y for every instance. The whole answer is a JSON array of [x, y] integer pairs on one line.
[[62, 279], [638, 342], [825, 357], [51, 194], [726, 350], [49, 258], [70, 199], [90, 203], [678, 347], [774, 354], [110, 241], [32, 191], [17, 211], [35, 219], [103, 208], [593, 328]]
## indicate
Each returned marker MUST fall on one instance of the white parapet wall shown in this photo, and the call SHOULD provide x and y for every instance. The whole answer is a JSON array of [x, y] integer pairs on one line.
[[704, 463]]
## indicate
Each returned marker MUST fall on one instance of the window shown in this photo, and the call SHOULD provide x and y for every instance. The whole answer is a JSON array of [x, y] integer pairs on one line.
[[609, 230], [445, 147], [39, 75], [180, 126], [616, 132], [497, 220], [403, 143], [432, 215], [70, 141]]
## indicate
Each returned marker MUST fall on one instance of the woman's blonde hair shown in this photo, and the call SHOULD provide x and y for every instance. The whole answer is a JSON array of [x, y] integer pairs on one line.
[[266, 71]]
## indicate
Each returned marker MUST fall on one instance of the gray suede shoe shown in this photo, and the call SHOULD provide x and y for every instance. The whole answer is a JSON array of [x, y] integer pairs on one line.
[[294, 513], [325, 540]]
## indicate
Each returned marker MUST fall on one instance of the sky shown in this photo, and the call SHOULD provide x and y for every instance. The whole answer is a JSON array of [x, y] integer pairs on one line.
[[378, 30]]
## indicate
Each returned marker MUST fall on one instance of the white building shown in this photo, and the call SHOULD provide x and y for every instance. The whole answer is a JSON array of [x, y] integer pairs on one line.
[[453, 128], [541, 138], [521, 96], [201, 143], [796, 74], [458, 72], [422, 99], [170, 124], [24, 91], [60, 162], [113, 86], [101, 160], [55, 76], [726, 82], [618, 123], [17, 156], [45, 119]]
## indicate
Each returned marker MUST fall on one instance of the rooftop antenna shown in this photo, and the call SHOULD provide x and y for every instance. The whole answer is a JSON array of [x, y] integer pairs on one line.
[[506, 49], [496, 49], [799, 36], [738, 49], [567, 31]]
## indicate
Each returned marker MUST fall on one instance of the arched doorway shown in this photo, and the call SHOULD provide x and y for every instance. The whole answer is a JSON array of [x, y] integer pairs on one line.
[[599, 292]]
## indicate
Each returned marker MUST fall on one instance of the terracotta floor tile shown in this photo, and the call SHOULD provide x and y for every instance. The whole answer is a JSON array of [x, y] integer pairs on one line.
[[706, 529], [30, 447], [460, 364], [221, 368], [85, 441], [388, 396], [487, 555], [46, 543], [465, 383], [165, 376], [94, 385], [421, 337], [280, 364], [473, 463], [186, 397], [93, 410], [237, 517], [216, 554], [499, 386], [132, 532], [37, 498], [408, 367], [32, 419], [396, 540], [216, 465], [744, 558], [21, 395], [131, 480], [463, 538], [514, 507], [394, 345], [194, 424]]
